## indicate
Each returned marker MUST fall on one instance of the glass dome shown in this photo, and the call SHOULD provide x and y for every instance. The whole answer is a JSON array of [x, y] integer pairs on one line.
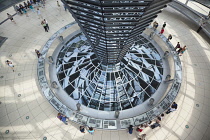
[[114, 87]]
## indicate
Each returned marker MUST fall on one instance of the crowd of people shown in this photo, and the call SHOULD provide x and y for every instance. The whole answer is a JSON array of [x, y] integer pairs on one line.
[[34, 6], [138, 130], [23, 8], [82, 128], [180, 50], [152, 124]]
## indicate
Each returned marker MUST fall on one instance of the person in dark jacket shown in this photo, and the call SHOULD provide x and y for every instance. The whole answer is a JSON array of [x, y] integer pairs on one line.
[[172, 108], [130, 129]]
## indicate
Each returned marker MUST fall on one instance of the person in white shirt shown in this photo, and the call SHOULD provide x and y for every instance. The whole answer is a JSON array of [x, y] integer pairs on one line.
[[45, 21], [172, 108], [39, 13], [9, 63]]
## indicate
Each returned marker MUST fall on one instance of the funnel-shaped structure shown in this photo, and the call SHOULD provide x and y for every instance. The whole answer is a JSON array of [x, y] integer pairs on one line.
[[112, 25]]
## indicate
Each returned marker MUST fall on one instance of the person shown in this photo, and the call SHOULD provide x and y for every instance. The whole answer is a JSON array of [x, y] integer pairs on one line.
[[44, 25], [34, 1], [91, 130], [58, 4], [130, 129], [203, 24], [21, 6], [59, 116], [162, 31], [149, 123], [45, 21], [154, 24], [39, 13], [29, 3], [140, 128], [156, 124], [174, 105], [177, 46], [65, 7], [38, 3], [64, 119], [9, 63], [25, 5], [172, 108], [38, 53], [82, 129], [158, 119], [32, 8], [18, 9], [162, 116], [43, 3], [169, 37], [179, 50], [164, 25], [142, 137], [183, 50], [25, 12], [10, 17]]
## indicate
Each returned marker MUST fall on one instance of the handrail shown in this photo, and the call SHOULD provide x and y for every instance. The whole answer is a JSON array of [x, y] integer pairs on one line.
[[76, 116]]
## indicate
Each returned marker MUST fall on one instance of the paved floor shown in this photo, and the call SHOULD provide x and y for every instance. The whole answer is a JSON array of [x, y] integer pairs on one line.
[[28, 34]]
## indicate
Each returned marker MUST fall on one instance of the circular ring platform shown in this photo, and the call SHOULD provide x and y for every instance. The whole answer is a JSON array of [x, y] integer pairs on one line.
[[78, 59]]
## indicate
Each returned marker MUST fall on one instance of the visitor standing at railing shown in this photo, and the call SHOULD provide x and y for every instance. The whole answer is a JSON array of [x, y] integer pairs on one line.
[[177, 46], [10, 17], [162, 31], [164, 24], [82, 129], [130, 129], [169, 38], [201, 26], [173, 107], [91, 130]]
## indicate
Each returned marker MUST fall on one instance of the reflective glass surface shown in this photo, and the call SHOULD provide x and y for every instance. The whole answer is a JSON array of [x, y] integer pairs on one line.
[[113, 87]]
